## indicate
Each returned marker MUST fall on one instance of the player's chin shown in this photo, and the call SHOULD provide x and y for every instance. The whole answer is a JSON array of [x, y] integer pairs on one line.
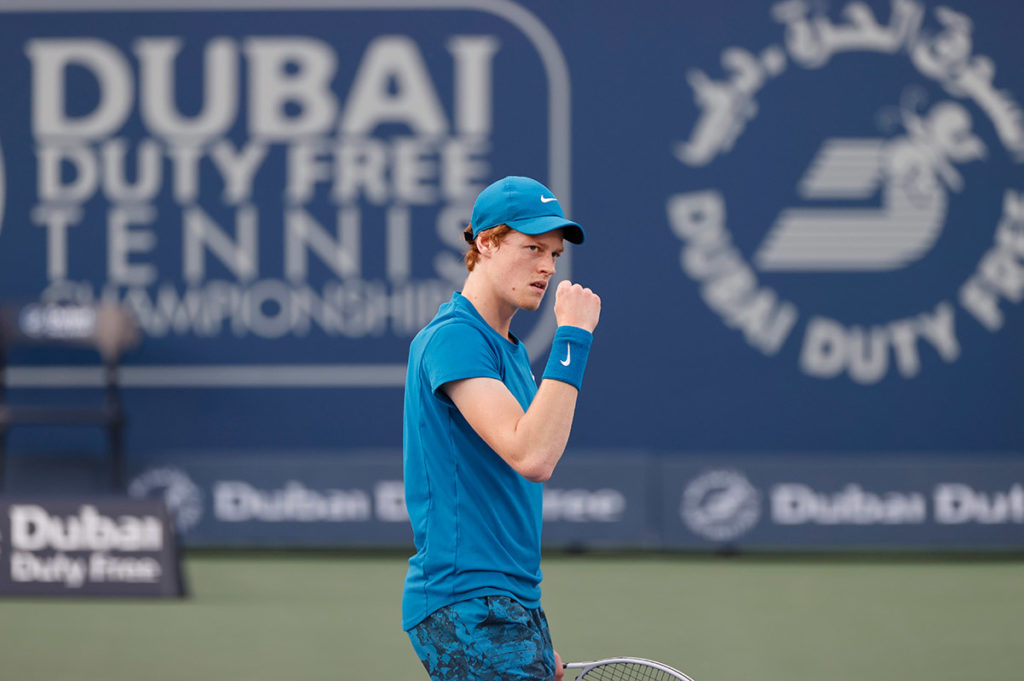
[[533, 299]]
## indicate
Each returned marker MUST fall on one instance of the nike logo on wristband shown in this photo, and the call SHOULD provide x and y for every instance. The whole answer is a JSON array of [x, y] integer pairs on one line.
[[568, 358]]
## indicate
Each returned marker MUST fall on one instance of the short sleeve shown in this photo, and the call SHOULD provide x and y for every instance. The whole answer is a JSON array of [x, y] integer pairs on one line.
[[458, 351]]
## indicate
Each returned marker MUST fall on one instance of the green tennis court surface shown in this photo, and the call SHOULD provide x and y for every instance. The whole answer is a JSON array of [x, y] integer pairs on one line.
[[311, 617]]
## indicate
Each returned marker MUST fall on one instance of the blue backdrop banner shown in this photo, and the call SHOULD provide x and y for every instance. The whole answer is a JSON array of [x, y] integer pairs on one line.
[[805, 220]]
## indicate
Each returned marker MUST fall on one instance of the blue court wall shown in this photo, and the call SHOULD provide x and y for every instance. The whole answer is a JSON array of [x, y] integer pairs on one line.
[[806, 222]]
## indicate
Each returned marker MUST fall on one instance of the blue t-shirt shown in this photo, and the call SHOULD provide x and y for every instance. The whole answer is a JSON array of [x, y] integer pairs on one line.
[[476, 522]]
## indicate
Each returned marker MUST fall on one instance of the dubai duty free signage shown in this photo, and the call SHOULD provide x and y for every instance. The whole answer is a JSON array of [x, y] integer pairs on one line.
[[904, 160], [87, 546], [258, 185]]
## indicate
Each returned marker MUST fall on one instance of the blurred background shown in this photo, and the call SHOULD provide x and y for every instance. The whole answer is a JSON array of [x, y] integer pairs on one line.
[[222, 223]]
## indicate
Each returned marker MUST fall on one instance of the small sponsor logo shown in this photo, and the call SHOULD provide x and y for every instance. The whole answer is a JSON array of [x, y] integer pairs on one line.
[[172, 485], [57, 546], [720, 505]]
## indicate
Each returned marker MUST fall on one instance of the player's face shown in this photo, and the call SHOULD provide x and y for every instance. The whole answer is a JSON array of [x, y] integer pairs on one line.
[[523, 266]]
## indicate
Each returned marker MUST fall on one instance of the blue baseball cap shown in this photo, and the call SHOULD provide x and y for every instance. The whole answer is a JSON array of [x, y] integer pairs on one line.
[[526, 206]]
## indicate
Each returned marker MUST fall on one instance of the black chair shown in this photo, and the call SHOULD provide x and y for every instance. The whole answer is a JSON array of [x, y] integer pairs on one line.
[[106, 328]]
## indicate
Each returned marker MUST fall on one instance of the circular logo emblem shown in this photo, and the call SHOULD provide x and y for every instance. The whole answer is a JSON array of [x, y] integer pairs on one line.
[[720, 505], [183, 498], [887, 218]]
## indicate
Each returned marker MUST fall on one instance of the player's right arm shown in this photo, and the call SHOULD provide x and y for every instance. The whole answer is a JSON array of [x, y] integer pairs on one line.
[[531, 442]]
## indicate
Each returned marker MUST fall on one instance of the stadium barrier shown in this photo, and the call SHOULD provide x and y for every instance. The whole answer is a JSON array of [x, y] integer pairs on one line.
[[628, 500]]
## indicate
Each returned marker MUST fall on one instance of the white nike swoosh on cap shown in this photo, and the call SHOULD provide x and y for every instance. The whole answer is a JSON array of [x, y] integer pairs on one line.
[[547, 199]]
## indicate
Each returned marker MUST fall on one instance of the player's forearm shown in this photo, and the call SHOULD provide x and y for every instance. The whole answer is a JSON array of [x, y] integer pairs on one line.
[[546, 424], [541, 434]]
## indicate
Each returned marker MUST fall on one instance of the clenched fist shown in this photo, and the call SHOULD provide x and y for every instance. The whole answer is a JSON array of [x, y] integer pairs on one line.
[[577, 306]]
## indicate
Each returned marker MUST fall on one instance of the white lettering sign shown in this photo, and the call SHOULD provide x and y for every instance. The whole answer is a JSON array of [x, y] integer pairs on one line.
[[33, 528]]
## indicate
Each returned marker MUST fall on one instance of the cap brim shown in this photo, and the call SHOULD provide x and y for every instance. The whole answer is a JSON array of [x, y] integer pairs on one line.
[[543, 224]]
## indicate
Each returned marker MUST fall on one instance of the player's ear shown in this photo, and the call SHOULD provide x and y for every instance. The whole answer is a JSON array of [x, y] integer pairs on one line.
[[486, 244]]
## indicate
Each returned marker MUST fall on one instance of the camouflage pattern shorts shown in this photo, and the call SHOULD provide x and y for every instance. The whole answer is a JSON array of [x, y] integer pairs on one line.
[[492, 638]]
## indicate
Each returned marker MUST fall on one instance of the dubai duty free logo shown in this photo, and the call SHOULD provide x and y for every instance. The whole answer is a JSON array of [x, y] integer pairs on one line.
[[253, 189], [720, 505], [173, 486], [865, 205]]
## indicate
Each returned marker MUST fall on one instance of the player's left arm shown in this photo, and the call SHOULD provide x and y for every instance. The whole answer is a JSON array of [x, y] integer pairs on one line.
[[532, 442]]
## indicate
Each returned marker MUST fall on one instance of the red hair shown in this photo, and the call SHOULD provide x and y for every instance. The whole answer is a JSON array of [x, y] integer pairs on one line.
[[494, 234]]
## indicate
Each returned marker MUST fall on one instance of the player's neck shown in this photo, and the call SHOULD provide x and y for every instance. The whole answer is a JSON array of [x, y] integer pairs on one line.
[[496, 311]]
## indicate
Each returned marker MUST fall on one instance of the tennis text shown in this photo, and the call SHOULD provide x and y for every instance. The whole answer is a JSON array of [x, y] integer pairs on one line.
[[282, 202]]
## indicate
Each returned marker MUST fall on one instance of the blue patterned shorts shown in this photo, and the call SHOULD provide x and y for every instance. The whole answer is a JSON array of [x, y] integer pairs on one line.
[[490, 638]]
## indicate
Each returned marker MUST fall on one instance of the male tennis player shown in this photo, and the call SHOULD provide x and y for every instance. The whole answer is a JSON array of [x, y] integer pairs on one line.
[[480, 438]]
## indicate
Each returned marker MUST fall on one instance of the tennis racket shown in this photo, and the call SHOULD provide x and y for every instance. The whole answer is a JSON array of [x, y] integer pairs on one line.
[[626, 669]]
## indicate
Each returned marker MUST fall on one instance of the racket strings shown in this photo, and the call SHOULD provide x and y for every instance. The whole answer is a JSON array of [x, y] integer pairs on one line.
[[626, 671]]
